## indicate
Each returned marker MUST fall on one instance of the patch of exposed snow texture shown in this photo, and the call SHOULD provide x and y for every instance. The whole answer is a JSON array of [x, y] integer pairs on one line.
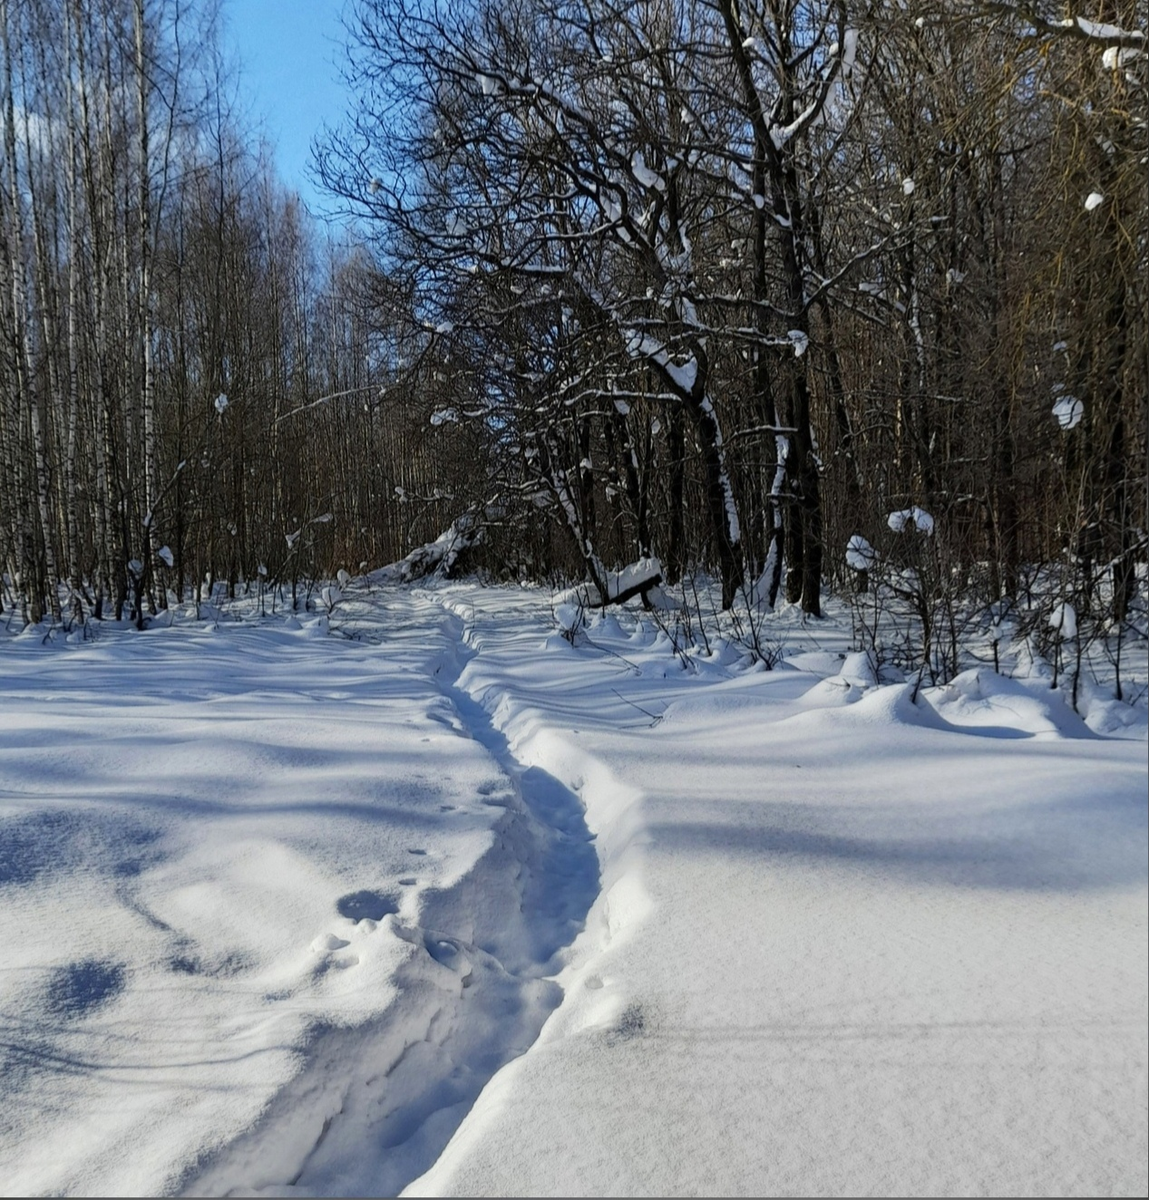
[[445, 416], [634, 575], [1116, 57], [438, 558], [642, 345]]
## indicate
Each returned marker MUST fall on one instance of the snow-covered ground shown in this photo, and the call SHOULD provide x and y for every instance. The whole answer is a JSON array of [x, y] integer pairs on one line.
[[320, 912]]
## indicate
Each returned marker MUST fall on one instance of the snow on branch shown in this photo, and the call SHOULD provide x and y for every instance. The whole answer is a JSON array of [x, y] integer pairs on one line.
[[437, 557], [1072, 26]]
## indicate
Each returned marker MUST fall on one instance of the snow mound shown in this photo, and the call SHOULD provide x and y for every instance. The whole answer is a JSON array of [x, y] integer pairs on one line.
[[984, 700]]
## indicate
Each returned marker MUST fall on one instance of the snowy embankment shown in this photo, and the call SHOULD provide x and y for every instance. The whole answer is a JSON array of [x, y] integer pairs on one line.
[[294, 913]]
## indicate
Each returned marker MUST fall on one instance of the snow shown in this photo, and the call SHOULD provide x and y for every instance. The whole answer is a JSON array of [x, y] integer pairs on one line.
[[1068, 411], [849, 52], [1093, 200], [165, 555], [418, 895], [645, 176], [1116, 57], [221, 403], [641, 345], [445, 416], [860, 555], [799, 340], [1101, 31], [907, 187], [915, 517], [781, 134], [1063, 619]]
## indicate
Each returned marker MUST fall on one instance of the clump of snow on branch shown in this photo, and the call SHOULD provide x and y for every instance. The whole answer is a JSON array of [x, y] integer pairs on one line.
[[860, 555], [914, 518], [445, 416], [645, 176], [1068, 410], [1093, 200], [1116, 57], [849, 52], [1063, 620], [221, 402]]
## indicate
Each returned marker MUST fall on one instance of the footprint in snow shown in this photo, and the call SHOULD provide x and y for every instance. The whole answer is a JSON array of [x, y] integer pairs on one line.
[[81, 987], [366, 905], [631, 1025]]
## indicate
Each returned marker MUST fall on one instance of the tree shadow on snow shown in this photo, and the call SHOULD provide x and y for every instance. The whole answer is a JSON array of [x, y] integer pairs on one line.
[[1091, 843]]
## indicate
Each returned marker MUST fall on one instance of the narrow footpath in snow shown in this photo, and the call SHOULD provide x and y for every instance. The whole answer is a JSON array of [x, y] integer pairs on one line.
[[846, 943], [424, 898], [391, 1092]]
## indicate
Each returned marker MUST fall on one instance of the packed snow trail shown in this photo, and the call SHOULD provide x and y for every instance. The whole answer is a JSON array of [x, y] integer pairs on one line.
[[376, 1104], [289, 911], [845, 944], [270, 904]]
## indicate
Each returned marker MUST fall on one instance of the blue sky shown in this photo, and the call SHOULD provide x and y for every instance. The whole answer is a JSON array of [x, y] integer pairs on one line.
[[289, 53]]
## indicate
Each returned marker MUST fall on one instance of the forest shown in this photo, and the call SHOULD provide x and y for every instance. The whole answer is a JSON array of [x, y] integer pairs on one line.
[[803, 295], [612, 659]]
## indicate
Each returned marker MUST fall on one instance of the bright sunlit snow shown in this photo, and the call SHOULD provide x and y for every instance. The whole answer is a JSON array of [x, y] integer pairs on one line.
[[419, 893]]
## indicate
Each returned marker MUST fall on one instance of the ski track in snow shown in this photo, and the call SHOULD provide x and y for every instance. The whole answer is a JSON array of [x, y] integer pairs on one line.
[[461, 908]]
